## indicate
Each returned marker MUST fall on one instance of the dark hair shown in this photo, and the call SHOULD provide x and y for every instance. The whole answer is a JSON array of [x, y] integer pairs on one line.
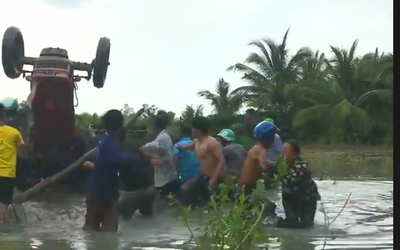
[[295, 146], [163, 113], [113, 120], [160, 121], [185, 130], [2, 111], [201, 123], [122, 133]]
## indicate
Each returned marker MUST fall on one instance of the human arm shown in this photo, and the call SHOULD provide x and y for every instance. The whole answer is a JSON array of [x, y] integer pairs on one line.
[[216, 152], [148, 149], [20, 144], [187, 146]]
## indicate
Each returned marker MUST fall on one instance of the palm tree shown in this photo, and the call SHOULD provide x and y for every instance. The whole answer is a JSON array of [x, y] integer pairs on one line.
[[377, 95], [224, 102], [313, 68], [191, 112], [340, 102], [269, 72]]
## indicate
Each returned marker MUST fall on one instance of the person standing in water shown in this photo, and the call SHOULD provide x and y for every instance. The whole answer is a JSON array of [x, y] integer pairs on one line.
[[10, 140], [209, 155], [161, 153], [103, 184], [187, 165], [299, 191], [264, 135], [233, 152]]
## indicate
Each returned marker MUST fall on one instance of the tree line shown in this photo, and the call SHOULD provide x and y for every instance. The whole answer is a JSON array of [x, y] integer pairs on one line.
[[342, 98]]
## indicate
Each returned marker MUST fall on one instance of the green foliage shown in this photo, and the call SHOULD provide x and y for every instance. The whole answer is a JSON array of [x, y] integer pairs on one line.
[[231, 224], [312, 97]]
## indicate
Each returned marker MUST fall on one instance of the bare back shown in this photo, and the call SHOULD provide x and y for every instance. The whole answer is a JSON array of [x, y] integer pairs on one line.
[[252, 166], [208, 153]]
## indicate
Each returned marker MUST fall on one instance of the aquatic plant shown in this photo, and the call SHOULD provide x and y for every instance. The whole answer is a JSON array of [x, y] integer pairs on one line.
[[232, 223]]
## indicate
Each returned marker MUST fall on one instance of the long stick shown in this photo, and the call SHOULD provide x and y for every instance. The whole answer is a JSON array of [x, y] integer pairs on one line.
[[56, 177]]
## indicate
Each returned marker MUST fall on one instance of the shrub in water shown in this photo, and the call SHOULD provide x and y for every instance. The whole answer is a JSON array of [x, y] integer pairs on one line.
[[231, 223]]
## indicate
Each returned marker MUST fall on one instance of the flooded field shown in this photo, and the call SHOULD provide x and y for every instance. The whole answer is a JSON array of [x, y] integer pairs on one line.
[[365, 223]]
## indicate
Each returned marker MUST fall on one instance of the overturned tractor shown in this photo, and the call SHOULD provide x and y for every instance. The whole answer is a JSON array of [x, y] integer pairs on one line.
[[53, 83]]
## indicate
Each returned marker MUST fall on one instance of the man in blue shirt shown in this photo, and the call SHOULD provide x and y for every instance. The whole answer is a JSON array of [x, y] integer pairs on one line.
[[187, 165], [102, 194]]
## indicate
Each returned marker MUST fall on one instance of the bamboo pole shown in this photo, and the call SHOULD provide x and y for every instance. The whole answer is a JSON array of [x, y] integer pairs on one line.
[[56, 177]]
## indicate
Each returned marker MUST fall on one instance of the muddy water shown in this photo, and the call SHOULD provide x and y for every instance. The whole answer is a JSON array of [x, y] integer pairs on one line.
[[366, 222]]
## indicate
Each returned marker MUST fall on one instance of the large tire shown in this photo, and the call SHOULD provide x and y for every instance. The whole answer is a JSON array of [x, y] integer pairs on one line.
[[101, 62], [13, 51]]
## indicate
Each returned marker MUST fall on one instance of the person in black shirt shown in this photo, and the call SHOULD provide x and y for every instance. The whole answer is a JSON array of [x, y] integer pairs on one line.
[[299, 191]]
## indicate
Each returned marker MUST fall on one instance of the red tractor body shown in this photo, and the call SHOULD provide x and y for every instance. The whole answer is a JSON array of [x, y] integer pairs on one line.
[[53, 85]]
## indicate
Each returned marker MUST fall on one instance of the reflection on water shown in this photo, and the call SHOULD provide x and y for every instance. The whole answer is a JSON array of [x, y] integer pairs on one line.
[[365, 223]]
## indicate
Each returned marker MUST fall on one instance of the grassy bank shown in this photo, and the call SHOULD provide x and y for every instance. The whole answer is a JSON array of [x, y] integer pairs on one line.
[[361, 148], [350, 161]]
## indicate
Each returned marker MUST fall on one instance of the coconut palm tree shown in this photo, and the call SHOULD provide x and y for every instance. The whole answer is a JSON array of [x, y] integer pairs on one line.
[[224, 102], [191, 112], [268, 72], [340, 104], [313, 68]]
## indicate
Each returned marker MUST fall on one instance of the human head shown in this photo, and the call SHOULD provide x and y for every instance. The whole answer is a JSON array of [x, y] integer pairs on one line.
[[226, 136], [264, 132], [291, 150], [163, 113], [2, 113], [185, 131], [250, 116], [273, 122], [113, 121], [200, 126], [160, 123]]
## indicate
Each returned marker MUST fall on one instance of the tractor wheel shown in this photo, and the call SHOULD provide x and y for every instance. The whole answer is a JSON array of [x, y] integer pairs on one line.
[[101, 62], [13, 51]]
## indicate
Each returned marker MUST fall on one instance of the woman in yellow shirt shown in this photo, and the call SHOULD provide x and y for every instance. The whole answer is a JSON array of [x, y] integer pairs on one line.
[[10, 139]]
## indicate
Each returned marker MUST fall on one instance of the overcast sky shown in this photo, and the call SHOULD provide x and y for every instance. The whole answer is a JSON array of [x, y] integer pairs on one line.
[[164, 51]]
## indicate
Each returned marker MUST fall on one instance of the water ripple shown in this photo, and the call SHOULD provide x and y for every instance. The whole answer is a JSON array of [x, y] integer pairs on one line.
[[365, 223]]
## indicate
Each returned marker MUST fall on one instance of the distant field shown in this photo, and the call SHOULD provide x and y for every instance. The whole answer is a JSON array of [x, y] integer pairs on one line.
[[315, 147]]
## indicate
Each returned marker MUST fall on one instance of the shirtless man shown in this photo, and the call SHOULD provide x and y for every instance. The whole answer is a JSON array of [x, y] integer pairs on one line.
[[209, 155], [255, 163]]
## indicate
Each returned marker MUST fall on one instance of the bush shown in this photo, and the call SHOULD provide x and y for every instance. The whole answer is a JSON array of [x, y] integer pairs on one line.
[[232, 223]]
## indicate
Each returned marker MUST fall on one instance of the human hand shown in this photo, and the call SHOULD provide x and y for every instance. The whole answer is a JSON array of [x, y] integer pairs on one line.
[[157, 161], [211, 183], [269, 162], [88, 165]]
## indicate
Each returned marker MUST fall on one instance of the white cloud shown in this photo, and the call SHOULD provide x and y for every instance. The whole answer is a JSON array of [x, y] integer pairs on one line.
[[164, 52]]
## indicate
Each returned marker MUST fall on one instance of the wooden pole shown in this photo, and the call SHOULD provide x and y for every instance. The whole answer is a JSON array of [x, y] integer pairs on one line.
[[56, 177]]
